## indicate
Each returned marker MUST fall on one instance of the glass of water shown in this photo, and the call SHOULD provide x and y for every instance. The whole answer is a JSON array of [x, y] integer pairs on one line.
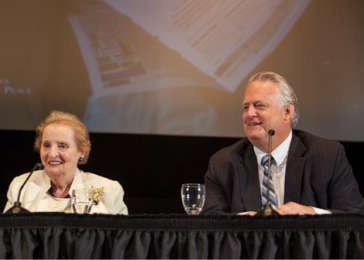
[[193, 197]]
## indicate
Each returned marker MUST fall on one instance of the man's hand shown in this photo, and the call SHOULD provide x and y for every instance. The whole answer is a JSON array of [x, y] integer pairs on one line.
[[293, 208]]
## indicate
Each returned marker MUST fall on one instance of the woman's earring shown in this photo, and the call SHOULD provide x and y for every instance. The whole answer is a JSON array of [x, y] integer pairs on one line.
[[80, 160]]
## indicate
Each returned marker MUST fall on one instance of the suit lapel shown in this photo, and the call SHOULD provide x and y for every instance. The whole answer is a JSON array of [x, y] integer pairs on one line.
[[294, 171], [78, 185], [250, 186]]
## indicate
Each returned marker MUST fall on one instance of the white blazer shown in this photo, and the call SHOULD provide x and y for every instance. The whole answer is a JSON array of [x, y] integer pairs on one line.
[[36, 198]]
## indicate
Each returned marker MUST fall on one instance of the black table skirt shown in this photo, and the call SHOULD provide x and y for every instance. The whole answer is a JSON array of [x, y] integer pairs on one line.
[[54, 235]]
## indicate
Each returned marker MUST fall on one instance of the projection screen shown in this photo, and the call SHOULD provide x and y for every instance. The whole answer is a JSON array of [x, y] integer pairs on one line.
[[179, 67]]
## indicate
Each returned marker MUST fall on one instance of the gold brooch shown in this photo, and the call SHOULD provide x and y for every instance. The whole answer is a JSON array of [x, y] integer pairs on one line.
[[95, 194]]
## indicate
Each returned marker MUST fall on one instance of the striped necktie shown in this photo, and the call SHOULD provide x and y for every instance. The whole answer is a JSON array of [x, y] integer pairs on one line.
[[268, 193]]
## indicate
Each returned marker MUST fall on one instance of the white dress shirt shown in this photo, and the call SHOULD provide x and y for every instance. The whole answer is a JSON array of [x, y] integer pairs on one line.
[[36, 197]]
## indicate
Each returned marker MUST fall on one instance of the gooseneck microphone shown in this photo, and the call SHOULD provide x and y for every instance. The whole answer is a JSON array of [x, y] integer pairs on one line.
[[17, 208], [271, 132], [267, 209]]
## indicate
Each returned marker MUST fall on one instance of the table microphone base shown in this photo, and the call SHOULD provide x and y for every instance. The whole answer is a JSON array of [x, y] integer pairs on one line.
[[267, 210], [17, 208]]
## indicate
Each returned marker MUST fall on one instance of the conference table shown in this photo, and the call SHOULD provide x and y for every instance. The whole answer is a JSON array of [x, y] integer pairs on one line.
[[58, 235]]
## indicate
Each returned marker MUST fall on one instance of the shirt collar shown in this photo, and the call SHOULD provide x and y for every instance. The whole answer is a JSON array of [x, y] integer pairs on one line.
[[77, 183], [279, 153]]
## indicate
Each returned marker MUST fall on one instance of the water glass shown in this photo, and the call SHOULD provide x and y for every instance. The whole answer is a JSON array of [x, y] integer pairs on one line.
[[193, 197]]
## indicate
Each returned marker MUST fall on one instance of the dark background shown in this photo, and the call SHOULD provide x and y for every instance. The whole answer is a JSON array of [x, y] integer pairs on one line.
[[151, 168]]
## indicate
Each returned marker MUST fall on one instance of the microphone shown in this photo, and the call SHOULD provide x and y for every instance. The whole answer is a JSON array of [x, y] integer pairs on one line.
[[271, 132], [17, 208], [267, 209]]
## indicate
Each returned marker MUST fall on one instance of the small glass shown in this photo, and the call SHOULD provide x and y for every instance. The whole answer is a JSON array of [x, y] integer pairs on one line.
[[81, 207], [193, 197]]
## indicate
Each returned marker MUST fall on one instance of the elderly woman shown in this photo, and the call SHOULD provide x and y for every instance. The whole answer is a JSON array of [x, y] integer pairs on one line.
[[63, 143]]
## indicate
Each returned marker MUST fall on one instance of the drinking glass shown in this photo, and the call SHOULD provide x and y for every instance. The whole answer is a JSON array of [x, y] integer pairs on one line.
[[193, 197]]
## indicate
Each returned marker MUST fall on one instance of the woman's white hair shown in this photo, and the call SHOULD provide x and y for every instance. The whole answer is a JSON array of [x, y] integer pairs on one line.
[[287, 94]]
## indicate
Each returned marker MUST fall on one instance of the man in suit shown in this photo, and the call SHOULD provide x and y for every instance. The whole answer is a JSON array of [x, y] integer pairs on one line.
[[308, 174]]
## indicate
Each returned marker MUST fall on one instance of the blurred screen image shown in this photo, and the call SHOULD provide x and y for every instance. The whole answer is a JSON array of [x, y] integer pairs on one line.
[[178, 67]]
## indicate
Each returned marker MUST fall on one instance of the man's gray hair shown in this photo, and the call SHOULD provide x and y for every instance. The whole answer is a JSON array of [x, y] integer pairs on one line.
[[287, 94]]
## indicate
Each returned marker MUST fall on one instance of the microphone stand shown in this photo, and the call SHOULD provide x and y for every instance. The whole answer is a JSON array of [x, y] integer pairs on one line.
[[17, 208], [267, 209]]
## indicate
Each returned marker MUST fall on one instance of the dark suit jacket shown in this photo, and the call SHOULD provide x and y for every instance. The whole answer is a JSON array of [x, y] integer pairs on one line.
[[317, 174]]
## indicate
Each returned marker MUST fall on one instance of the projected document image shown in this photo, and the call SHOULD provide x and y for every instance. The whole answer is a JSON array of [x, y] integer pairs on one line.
[[164, 66], [179, 67]]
